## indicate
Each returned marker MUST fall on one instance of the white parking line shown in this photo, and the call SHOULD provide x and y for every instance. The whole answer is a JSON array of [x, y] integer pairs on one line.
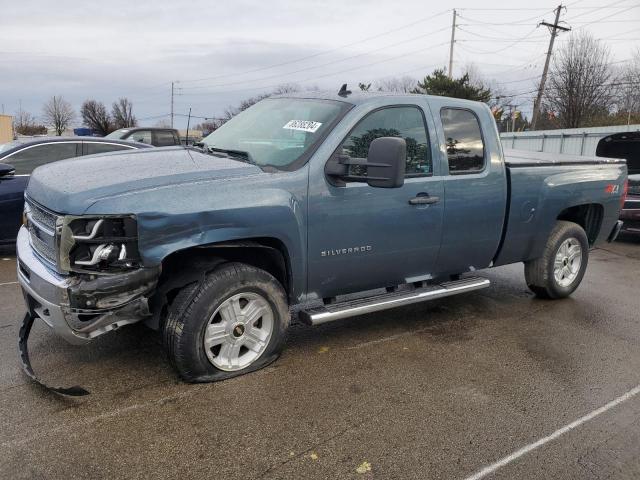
[[8, 283], [532, 446]]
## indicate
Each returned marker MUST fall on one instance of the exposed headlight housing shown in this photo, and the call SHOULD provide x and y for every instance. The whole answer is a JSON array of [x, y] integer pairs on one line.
[[100, 244]]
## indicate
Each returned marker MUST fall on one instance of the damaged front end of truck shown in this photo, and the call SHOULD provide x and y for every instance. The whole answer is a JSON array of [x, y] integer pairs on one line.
[[81, 275]]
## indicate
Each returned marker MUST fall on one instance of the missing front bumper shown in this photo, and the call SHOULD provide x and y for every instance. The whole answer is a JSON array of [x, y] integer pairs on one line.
[[64, 302]]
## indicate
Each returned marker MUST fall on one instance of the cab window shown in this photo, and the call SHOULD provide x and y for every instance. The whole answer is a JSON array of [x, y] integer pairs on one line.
[[164, 138], [28, 159], [403, 121], [142, 136], [463, 137]]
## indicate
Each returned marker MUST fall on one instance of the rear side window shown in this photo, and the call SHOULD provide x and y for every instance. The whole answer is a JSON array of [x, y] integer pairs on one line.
[[26, 160], [463, 137], [164, 139], [92, 148], [405, 122], [142, 136]]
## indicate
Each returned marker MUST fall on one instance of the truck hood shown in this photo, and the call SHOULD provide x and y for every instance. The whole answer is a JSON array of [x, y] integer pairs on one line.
[[72, 186]]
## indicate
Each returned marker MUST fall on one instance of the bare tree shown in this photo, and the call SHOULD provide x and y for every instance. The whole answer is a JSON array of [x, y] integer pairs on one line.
[[231, 112], [629, 89], [162, 123], [25, 124], [58, 113], [397, 84], [209, 125], [286, 88], [122, 114], [95, 116], [579, 89]]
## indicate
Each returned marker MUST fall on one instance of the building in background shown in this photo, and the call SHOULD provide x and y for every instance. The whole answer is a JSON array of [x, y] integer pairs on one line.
[[6, 128]]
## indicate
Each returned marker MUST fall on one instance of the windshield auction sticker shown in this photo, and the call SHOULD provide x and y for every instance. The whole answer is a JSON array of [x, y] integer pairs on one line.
[[303, 125]]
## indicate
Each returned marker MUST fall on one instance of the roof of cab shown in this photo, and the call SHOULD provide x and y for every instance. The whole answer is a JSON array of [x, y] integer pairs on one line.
[[357, 97]]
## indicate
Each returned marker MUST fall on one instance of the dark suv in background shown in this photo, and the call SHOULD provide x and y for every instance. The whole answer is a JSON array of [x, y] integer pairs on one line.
[[158, 137], [626, 145], [19, 158]]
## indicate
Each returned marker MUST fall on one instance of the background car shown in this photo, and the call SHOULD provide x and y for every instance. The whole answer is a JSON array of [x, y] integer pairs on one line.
[[158, 137], [626, 145], [18, 159], [630, 214]]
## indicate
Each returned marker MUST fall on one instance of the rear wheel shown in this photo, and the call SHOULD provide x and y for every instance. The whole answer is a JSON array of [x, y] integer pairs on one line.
[[563, 263], [233, 322]]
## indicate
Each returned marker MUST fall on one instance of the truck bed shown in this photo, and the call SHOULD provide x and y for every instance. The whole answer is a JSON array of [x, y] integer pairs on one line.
[[541, 187], [525, 158]]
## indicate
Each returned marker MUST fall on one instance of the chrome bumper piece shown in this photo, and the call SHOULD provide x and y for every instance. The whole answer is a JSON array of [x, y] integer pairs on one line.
[[46, 297]]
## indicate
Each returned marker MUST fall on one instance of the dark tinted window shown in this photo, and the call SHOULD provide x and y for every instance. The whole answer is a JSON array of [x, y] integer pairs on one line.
[[91, 148], [26, 160], [463, 137], [164, 139], [405, 122]]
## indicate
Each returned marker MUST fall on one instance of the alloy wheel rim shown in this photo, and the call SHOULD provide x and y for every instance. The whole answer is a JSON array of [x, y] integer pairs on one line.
[[238, 332], [567, 263]]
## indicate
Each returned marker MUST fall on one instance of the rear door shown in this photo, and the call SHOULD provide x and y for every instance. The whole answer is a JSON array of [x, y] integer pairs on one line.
[[361, 237], [474, 184], [92, 148]]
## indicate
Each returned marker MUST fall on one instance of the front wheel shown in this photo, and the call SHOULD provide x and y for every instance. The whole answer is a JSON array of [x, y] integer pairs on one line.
[[563, 263], [233, 322]]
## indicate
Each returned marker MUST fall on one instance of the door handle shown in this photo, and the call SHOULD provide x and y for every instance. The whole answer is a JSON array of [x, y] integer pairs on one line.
[[424, 200]]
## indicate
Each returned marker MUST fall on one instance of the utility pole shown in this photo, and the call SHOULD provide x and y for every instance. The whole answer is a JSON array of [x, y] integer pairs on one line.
[[188, 121], [172, 104], [453, 39], [554, 32], [514, 114]]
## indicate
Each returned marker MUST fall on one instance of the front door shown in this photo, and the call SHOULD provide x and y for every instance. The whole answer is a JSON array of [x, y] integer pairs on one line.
[[361, 237]]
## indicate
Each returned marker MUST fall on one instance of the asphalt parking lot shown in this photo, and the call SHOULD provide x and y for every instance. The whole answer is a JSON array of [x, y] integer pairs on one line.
[[438, 390]]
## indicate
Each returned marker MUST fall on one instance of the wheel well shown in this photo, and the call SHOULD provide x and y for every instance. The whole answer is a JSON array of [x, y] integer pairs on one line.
[[588, 216], [265, 253], [190, 265]]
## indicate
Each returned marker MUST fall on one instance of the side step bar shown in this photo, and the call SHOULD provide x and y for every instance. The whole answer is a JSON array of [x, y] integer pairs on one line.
[[337, 311]]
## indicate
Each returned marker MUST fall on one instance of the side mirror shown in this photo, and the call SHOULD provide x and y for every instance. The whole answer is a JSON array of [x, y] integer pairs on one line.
[[387, 162], [6, 170]]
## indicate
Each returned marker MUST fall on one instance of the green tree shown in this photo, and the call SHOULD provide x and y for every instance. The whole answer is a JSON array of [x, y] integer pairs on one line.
[[438, 83]]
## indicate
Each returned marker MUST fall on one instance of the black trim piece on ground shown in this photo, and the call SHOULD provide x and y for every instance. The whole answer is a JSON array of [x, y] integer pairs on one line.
[[23, 336]]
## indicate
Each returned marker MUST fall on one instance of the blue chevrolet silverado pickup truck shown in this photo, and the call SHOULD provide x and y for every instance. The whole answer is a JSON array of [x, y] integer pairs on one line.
[[313, 207]]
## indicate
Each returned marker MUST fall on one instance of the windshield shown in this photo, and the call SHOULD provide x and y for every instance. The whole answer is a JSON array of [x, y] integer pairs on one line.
[[278, 131], [117, 134]]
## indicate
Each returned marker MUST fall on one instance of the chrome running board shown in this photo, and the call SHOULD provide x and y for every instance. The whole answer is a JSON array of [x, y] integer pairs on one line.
[[337, 311]]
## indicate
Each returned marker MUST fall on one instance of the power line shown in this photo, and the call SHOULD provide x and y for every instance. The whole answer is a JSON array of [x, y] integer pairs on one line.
[[310, 79], [597, 9], [324, 52], [313, 67], [498, 39], [608, 16], [517, 41]]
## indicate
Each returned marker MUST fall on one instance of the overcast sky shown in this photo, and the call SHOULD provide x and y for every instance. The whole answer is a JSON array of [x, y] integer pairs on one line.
[[221, 52]]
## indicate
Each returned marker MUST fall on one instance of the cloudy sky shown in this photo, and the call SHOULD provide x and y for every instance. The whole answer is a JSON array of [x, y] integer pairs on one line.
[[221, 52]]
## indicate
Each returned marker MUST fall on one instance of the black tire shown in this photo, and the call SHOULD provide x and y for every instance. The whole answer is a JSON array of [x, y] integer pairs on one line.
[[539, 273], [192, 309]]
